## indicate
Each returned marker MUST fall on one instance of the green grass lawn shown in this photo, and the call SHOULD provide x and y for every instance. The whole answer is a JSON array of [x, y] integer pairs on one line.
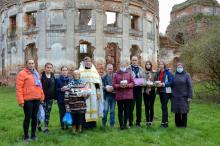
[[203, 128]]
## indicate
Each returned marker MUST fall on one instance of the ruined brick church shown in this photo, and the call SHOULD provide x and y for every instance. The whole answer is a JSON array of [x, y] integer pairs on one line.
[[188, 20], [65, 31]]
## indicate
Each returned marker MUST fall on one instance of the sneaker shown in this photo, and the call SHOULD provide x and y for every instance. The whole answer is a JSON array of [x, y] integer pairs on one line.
[[123, 127], [130, 125], [46, 130], [26, 139], [164, 125], [138, 125], [34, 138], [112, 126], [148, 124]]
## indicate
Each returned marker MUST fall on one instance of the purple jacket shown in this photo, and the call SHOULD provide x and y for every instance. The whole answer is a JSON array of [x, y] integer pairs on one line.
[[123, 93]]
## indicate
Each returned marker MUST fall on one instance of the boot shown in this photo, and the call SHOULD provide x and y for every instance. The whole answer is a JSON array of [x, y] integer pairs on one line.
[[80, 130], [74, 130]]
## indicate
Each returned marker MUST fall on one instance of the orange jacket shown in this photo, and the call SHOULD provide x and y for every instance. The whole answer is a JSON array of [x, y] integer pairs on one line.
[[26, 88]]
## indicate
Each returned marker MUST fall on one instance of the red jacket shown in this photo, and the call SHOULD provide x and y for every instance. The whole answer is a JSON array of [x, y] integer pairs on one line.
[[26, 88], [123, 93]]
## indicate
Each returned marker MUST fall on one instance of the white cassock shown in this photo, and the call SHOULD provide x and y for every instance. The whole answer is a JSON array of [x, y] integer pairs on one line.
[[94, 105]]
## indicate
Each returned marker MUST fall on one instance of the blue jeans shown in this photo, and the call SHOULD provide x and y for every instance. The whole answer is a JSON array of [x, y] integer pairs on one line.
[[109, 103], [164, 98]]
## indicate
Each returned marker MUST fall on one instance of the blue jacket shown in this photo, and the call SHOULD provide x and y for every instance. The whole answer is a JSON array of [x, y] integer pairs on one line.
[[60, 82], [167, 79]]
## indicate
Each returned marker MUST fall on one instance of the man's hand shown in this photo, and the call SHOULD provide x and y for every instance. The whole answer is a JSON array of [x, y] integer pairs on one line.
[[21, 105], [109, 89]]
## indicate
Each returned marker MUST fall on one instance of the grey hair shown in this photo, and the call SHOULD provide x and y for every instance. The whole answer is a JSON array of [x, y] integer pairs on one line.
[[124, 61], [109, 65], [134, 56], [76, 71]]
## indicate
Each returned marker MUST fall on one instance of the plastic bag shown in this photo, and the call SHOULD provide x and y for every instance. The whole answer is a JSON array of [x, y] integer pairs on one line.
[[41, 113], [67, 119]]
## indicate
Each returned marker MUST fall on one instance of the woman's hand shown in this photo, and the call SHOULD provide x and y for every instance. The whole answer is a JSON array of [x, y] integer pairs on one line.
[[122, 85], [64, 88], [85, 95], [189, 99], [126, 86], [161, 85]]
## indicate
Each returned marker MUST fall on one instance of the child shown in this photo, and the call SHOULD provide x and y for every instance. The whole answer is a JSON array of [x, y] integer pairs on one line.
[[75, 100]]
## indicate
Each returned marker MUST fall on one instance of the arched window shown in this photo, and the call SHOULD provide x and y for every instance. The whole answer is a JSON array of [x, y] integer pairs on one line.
[[31, 53], [112, 55], [135, 51], [84, 49]]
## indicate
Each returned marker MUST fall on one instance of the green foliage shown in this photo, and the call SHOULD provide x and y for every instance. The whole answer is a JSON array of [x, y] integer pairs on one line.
[[203, 128], [201, 55], [187, 3]]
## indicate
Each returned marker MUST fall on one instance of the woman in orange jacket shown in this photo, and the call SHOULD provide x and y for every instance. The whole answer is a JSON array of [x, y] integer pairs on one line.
[[29, 94]]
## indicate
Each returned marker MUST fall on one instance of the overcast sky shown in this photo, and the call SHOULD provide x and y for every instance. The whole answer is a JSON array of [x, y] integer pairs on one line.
[[165, 9]]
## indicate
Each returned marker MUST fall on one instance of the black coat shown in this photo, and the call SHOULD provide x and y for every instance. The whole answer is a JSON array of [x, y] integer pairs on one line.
[[49, 86], [182, 90]]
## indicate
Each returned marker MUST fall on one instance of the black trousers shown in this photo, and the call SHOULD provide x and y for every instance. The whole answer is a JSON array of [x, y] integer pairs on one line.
[[30, 112], [78, 118], [164, 98], [47, 108], [181, 120], [62, 111], [149, 100], [123, 112], [137, 92]]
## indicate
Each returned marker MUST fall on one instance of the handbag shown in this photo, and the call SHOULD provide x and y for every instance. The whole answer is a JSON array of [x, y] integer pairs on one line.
[[41, 113], [67, 119]]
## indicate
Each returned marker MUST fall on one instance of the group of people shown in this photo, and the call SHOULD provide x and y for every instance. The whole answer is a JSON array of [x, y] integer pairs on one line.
[[87, 96]]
